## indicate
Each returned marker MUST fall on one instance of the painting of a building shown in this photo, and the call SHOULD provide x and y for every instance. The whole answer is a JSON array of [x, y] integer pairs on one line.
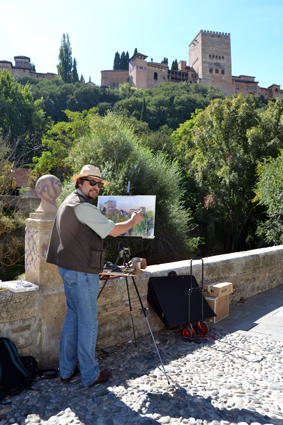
[[121, 208]]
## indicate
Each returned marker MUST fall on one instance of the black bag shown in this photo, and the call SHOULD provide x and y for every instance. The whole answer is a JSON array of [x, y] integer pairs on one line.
[[168, 296], [14, 375], [17, 373]]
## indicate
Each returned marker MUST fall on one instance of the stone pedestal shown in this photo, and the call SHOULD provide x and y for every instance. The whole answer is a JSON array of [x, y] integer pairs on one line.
[[37, 234], [50, 306]]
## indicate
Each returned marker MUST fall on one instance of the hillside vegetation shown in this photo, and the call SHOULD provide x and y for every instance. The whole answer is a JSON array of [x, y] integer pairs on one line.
[[197, 151]]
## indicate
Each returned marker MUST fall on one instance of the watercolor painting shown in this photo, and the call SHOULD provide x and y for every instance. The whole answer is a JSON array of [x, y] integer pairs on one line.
[[120, 208]]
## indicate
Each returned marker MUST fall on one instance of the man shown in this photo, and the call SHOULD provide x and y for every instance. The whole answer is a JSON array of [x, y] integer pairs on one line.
[[76, 247]]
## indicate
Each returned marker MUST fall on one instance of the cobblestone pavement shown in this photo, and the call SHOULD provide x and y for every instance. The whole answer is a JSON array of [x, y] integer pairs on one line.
[[235, 379]]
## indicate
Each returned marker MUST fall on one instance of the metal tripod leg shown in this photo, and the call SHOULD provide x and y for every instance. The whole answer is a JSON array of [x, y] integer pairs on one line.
[[130, 305], [103, 287], [144, 312]]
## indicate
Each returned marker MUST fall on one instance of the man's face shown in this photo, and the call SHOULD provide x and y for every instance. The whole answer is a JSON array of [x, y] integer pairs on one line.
[[91, 192]]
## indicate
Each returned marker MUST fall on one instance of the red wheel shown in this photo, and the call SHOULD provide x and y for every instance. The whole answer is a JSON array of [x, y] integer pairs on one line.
[[187, 333], [205, 328]]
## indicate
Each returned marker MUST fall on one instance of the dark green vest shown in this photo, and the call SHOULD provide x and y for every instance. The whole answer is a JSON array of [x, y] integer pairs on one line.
[[74, 245]]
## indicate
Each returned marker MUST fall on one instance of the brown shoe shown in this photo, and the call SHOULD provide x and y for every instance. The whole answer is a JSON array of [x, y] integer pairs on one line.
[[103, 377], [76, 371]]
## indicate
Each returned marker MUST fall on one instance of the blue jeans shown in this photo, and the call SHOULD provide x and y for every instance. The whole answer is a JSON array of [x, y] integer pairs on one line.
[[79, 332]]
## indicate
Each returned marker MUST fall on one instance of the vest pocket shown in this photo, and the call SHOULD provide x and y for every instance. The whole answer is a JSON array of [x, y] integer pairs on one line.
[[97, 259]]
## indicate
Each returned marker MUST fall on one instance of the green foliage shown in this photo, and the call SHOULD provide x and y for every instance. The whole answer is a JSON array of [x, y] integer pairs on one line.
[[75, 75], [159, 141], [165, 60], [21, 117], [174, 66], [121, 62], [58, 96], [143, 111], [269, 192], [11, 220], [65, 64], [124, 63], [113, 146], [117, 60], [269, 188], [221, 146], [169, 104], [58, 141]]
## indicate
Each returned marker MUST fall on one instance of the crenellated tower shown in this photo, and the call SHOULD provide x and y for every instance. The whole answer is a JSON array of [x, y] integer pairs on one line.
[[210, 57]]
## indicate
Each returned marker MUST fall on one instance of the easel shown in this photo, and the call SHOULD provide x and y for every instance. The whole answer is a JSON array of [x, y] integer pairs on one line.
[[124, 254]]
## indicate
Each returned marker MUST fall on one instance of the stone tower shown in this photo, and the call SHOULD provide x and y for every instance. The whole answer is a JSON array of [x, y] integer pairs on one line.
[[137, 71], [210, 57]]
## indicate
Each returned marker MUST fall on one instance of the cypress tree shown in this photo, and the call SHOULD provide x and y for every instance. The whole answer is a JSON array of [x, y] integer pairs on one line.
[[65, 64], [143, 111], [127, 59], [174, 66], [75, 75], [117, 61], [124, 63]]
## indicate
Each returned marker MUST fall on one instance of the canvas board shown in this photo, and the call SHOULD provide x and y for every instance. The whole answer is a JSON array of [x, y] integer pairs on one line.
[[120, 208]]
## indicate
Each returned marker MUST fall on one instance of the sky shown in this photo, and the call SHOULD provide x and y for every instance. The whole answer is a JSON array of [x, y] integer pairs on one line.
[[98, 29]]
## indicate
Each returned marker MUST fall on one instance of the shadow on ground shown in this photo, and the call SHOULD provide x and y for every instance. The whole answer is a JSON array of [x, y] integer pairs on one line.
[[123, 400]]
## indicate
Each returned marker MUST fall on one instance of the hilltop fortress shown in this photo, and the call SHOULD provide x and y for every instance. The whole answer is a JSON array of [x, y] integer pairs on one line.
[[22, 68], [209, 64]]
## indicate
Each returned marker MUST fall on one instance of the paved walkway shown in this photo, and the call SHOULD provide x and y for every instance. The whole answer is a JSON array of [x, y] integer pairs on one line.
[[236, 378], [261, 315]]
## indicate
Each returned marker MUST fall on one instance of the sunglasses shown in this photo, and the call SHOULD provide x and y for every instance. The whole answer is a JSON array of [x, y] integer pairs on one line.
[[94, 183]]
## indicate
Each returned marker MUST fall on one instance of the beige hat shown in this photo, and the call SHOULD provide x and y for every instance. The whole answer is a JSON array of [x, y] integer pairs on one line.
[[89, 171]]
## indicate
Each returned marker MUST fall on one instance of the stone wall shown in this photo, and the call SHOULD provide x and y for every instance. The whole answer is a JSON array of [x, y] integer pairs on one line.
[[34, 320]]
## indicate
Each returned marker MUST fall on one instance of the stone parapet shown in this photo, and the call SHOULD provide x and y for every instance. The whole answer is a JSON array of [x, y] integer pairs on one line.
[[34, 320]]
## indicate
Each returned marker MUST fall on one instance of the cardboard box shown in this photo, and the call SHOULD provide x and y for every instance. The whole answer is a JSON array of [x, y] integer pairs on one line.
[[217, 289], [220, 306]]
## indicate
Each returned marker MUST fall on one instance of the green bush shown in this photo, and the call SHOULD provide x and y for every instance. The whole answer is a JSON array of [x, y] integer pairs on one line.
[[113, 146]]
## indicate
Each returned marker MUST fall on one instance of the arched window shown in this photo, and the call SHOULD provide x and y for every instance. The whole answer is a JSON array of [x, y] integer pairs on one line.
[[155, 76]]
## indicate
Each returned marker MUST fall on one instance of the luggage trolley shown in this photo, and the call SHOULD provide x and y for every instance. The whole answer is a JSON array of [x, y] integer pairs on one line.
[[199, 327]]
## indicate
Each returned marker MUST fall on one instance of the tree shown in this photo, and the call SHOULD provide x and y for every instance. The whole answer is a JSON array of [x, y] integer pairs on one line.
[[222, 159], [174, 66], [143, 111], [117, 61], [65, 64], [135, 51], [113, 146], [58, 141], [165, 60], [121, 62], [269, 188], [75, 75], [32, 67], [21, 118], [168, 104], [124, 62], [12, 245], [269, 192], [57, 96]]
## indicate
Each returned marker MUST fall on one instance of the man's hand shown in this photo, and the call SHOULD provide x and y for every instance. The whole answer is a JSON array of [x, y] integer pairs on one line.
[[137, 217], [123, 227]]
